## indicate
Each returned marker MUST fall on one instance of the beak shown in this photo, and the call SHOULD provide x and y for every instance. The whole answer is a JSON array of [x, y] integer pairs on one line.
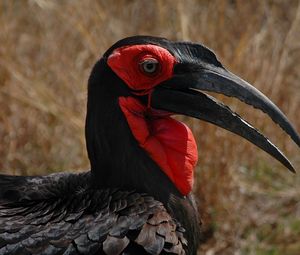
[[183, 94]]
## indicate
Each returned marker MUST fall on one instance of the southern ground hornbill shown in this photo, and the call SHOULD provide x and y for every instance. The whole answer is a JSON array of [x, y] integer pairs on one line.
[[137, 197]]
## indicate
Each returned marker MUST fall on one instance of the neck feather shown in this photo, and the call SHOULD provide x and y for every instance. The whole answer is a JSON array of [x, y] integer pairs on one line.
[[117, 160]]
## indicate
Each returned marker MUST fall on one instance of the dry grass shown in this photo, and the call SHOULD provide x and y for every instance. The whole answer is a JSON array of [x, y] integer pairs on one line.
[[48, 48]]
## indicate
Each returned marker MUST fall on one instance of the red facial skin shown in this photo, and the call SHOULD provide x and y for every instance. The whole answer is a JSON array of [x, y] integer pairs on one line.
[[168, 142], [125, 62]]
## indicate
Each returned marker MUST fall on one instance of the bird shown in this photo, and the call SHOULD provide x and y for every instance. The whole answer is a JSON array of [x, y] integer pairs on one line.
[[137, 196]]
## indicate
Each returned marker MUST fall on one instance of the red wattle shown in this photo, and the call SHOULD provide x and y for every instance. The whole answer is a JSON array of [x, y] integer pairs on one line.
[[168, 142]]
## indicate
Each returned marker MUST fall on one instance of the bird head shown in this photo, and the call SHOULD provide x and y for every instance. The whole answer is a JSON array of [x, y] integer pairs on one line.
[[146, 80]]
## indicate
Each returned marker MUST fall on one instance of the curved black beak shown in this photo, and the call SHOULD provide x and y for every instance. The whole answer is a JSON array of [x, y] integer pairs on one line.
[[181, 94]]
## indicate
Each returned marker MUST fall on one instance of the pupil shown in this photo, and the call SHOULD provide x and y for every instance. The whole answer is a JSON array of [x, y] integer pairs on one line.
[[150, 66]]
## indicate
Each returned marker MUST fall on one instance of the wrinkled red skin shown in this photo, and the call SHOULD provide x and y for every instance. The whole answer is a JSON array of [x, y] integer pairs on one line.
[[168, 142], [125, 62]]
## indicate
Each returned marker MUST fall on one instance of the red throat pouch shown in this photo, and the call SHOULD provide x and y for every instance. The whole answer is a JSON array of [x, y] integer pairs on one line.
[[168, 142]]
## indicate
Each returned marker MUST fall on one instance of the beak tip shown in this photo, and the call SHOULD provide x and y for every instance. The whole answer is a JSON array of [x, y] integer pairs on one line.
[[290, 167]]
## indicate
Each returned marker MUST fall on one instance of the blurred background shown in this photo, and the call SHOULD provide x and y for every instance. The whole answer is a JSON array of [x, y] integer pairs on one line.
[[248, 202]]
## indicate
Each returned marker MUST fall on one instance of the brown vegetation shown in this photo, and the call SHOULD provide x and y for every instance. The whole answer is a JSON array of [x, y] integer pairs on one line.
[[249, 203]]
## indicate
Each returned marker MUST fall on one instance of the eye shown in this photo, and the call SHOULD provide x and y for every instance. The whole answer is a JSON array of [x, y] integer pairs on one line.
[[150, 66]]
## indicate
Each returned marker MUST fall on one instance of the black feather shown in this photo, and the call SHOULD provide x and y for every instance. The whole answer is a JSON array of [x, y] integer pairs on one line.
[[94, 221]]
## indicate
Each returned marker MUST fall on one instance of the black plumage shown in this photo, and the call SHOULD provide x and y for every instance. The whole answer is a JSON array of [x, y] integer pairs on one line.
[[63, 214], [126, 204]]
